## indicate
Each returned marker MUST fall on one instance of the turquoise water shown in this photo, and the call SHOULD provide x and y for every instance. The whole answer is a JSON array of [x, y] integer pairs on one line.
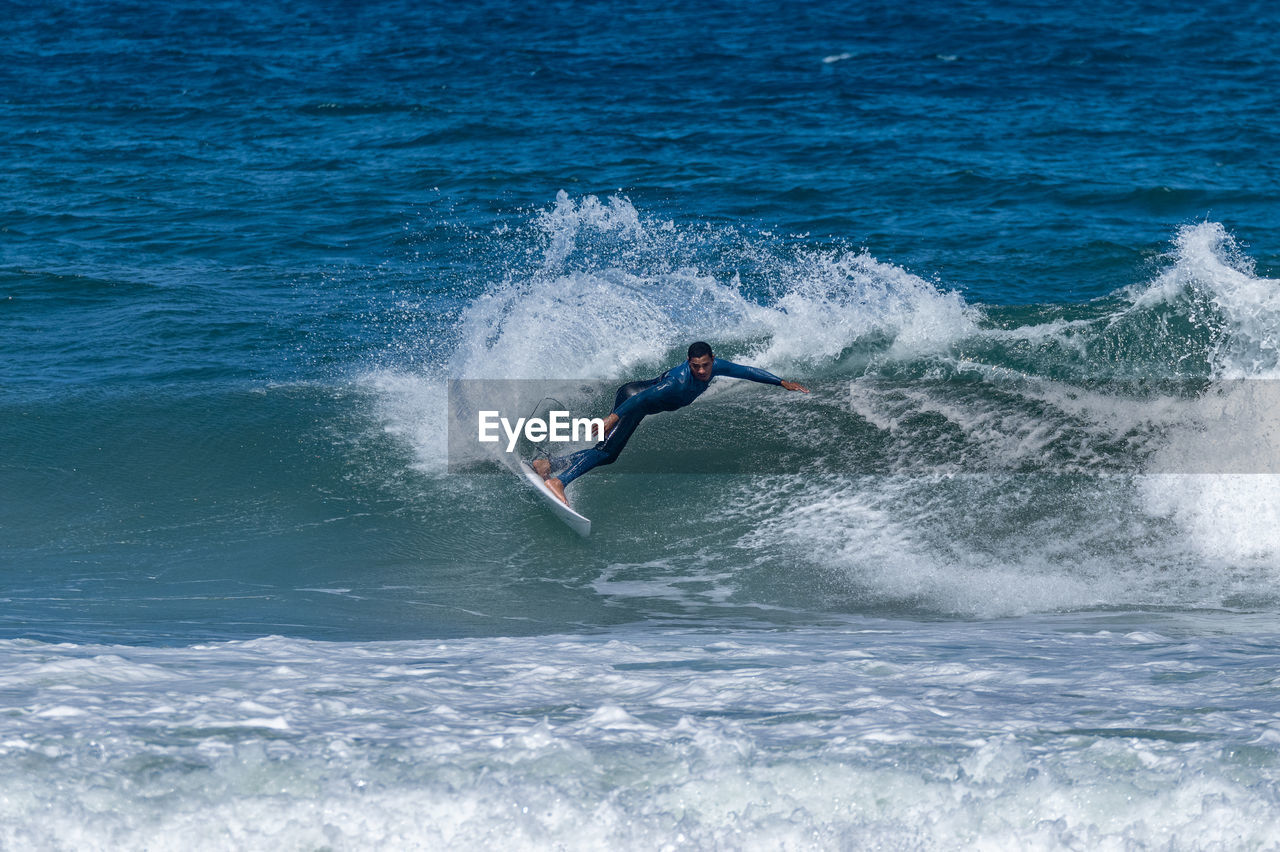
[[1005, 578]]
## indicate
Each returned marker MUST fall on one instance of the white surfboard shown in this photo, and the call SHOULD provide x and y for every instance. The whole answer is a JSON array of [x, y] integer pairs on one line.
[[575, 522]]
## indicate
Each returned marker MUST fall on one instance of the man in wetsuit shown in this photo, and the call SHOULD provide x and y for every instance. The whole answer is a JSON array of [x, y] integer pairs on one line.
[[674, 389]]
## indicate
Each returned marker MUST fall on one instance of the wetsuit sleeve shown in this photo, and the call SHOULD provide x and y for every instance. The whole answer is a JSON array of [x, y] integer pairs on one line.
[[742, 371], [647, 401]]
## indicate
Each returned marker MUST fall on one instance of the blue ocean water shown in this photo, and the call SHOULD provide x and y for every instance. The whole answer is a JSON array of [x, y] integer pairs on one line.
[[1006, 578]]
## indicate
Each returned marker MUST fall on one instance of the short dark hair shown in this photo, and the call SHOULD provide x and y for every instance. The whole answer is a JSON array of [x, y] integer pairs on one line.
[[697, 350]]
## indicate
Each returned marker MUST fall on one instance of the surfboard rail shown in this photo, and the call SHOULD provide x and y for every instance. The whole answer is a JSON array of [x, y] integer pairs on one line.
[[577, 522]]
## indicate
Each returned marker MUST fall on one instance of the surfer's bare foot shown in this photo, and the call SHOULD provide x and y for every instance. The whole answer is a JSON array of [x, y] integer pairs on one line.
[[557, 489], [542, 467]]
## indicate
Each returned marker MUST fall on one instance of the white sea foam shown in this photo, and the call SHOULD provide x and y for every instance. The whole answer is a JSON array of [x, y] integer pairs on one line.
[[1185, 513], [1217, 473], [948, 545], [1026, 735], [637, 294], [603, 293], [412, 409], [834, 299]]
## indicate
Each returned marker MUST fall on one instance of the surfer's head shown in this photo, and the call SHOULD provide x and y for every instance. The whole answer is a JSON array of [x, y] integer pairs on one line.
[[700, 361]]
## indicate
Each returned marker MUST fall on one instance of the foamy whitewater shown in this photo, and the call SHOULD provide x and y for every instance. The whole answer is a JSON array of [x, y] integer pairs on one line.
[[1046, 733], [1006, 579]]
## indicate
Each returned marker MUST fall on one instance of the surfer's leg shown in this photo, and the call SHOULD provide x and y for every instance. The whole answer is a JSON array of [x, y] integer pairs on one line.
[[569, 468], [612, 446], [559, 472], [580, 463]]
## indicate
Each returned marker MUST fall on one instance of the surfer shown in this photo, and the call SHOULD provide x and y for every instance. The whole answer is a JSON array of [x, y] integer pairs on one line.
[[674, 389]]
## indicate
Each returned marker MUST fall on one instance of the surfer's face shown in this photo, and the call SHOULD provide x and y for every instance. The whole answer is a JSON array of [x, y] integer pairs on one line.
[[701, 367]]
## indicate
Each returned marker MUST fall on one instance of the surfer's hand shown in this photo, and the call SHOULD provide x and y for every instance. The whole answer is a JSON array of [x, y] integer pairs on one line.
[[609, 423], [794, 386]]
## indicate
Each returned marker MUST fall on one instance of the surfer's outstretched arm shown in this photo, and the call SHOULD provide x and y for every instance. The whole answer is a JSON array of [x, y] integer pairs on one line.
[[754, 374]]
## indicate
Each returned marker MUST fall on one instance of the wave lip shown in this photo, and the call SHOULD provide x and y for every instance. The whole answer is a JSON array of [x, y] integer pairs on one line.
[[591, 290], [1215, 285], [608, 291]]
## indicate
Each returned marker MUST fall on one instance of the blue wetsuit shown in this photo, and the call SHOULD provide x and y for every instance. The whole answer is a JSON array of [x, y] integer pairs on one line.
[[674, 389]]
